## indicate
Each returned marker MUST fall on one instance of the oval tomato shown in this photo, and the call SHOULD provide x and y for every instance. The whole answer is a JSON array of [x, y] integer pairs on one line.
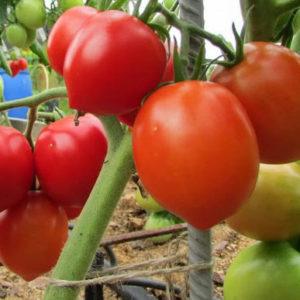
[[195, 151], [113, 62], [63, 33], [267, 84], [16, 166], [22, 63], [277, 196], [32, 235], [68, 158]]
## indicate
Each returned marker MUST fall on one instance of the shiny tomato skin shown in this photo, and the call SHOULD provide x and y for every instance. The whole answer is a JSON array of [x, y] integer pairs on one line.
[[267, 84], [16, 165], [68, 158], [195, 151], [32, 235], [113, 62], [22, 63], [72, 211], [63, 33]]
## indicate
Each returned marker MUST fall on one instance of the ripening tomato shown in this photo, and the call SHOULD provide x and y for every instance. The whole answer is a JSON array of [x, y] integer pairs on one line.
[[16, 167], [68, 158], [32, 235], [195, 151], [277, 196], [63, 33], [113, 62], [267, 84]]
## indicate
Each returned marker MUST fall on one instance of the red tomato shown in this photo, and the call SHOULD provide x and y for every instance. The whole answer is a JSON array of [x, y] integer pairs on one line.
[[68, 158], [16, 165], [32, 235], [63, 33], [72, 211], [113, 62], [14, 67], [22, 63], [195, 151], [267, 84], [128, 118]]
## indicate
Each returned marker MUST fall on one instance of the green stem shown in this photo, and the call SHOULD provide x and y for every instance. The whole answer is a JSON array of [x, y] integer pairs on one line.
[[3, 63], [149, 10], [80, 249], [59, 92], [46, 115], [282, 6], [37, 49], [183, 25], [263, 17], [28, 130], [114, 132]]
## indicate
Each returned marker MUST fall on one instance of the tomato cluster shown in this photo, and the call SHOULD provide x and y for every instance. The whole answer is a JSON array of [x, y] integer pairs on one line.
[[66, 161], [30, 15], [18, 65]]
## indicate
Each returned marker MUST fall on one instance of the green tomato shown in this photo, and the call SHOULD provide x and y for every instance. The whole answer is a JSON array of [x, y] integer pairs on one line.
[[31, 13], [273, 210], [67, 4], [160, 220], [16, 35], [147, 203], [264, 271]]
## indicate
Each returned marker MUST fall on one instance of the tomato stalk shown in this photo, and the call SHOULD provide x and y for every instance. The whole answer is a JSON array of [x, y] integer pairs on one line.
[[35, 100], [263, 17], [79, 251], [194, 29]]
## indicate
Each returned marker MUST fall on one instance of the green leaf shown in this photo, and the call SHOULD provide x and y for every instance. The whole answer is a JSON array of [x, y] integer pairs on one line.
[[118, 4], [178, 65]]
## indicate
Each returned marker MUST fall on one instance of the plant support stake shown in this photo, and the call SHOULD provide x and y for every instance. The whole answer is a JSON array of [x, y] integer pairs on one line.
[[200, 281]]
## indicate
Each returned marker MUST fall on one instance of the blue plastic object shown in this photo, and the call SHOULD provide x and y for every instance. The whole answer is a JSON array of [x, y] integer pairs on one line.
[[17, 87]]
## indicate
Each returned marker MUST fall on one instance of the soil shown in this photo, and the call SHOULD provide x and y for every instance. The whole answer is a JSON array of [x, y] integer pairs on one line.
[[130, 217]]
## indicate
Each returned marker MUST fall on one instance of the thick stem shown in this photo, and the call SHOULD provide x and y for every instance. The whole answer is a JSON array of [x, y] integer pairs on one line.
[[35, 100], [263, 17], [114, 132], [80, 249], [282, 6]]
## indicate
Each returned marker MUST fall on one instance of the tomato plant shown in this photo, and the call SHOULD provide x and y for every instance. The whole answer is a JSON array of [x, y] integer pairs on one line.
[[31, 13], [181, 162], [129, 63], [68, 158], [16, 165], [67, 26], [271, 98], [264, 271], [277, 196], [32, 235]]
